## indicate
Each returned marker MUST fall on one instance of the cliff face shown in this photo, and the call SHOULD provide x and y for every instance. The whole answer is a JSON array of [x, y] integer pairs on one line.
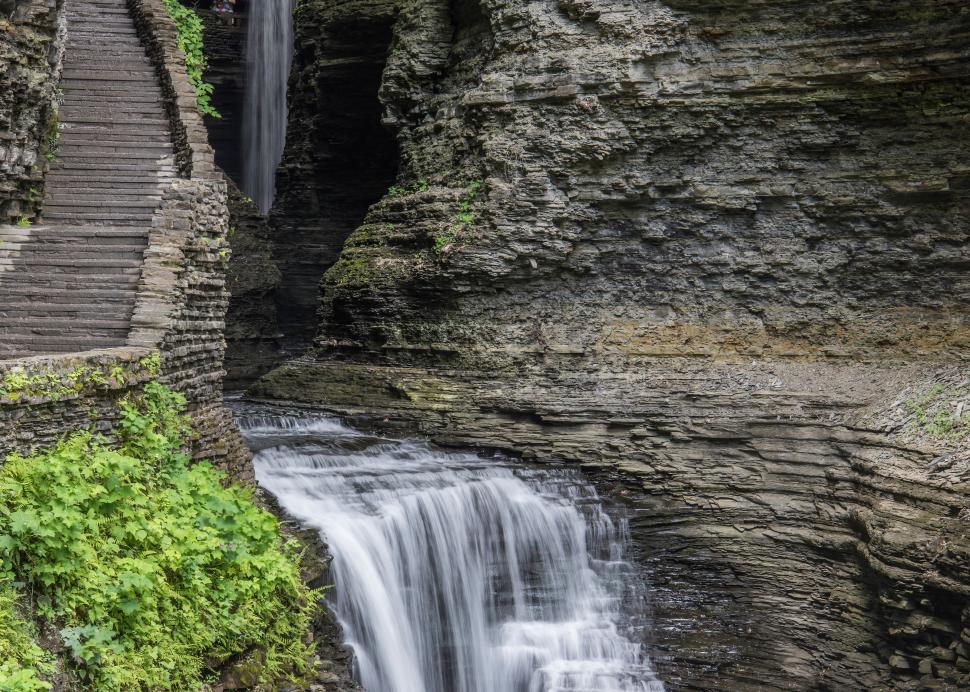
[[708, 180], [31, 48], [716, 250], [252, 333]]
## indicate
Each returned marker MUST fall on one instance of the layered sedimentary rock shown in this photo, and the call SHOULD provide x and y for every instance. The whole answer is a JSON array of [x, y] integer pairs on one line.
[[717, 251], [224, 38], [31, 47], [252, 333], [338, 157]]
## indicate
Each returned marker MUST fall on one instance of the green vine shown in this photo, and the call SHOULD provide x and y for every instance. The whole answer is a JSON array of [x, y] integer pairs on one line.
[[189, 27]]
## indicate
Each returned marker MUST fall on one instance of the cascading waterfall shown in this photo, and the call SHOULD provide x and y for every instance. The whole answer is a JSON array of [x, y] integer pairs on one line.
[[269, 51], [454, 572]]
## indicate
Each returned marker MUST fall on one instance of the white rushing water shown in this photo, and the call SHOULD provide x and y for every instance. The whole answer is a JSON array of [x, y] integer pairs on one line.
[[457, 573], [269, 51]]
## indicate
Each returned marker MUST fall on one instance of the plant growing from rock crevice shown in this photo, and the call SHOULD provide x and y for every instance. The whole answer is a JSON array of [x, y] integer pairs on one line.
[[189, 27], [463, 220]]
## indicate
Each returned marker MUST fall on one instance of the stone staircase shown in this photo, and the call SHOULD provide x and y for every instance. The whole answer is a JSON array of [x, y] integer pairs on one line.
[[71, 284]]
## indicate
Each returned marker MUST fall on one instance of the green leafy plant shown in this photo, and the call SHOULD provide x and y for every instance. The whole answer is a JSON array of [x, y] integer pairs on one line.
[[461, 222], [53, 141], [188, 24], [938, 413], [403, 191], [22, 661], [156, 573], [24, 221]]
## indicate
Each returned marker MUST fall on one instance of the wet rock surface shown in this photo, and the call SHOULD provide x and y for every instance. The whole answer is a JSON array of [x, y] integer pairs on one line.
[[788, 545], [715, 250]]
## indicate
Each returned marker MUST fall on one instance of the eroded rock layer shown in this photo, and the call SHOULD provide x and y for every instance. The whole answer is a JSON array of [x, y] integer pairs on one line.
[[717, 250], [32, 37]]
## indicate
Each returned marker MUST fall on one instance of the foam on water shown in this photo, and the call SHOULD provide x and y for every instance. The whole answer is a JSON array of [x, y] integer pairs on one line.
[[459, 573]]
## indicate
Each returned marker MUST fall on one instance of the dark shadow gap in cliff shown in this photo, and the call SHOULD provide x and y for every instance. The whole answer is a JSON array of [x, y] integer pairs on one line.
[[353, 160]]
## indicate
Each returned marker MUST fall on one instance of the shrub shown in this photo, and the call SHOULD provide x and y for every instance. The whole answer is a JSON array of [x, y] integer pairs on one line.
[[154, 571]]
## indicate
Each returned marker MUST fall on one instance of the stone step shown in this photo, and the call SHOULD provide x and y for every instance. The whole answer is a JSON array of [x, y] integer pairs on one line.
[[12, 347], [70, 283], [98, 113], [72, 74], [90, 32], [110, 105], [137, 150], [17, 320], [110, 138], [110, 91], [126, 124], [92, 39], [73, 294], [72, 232], [58, 263], [114, 15], [84, 247], [81, 98], [78, 27], [108, 86], [66, 311], [136, 204], [107, 182], [133, 57], [127, 195], [112, 217], [113, 166], [93, 130], [84, 97], [38, 257], [160, 123], [63, 337]]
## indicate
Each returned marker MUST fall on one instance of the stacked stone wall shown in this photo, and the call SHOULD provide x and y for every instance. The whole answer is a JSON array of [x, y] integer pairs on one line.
[[179, 315]]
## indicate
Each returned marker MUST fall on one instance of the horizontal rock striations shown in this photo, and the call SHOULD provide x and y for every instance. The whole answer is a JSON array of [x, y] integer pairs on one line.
[[32, 37], [716, 251]]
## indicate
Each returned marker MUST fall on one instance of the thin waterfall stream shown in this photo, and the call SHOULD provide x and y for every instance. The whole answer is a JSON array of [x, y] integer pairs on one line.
[[459, 572], [269, 52]]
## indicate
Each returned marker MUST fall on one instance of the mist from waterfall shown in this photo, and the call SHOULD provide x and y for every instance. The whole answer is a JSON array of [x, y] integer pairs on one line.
[[454, 572], [269, 52]]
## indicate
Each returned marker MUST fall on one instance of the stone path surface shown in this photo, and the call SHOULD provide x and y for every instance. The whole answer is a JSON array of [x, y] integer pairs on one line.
[[71, 284]]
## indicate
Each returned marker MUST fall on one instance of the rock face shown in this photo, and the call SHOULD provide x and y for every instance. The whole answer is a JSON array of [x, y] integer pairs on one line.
[[31, 47], [338, 157], [252, 333], [716, 250], [224, 38]]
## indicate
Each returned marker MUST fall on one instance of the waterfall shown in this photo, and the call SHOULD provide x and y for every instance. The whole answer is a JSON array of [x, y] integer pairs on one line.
[[269, 50], [454, 572]]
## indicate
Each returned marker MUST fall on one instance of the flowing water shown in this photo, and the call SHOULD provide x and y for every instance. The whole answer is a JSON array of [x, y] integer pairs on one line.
[[269, 51], [457, 572]]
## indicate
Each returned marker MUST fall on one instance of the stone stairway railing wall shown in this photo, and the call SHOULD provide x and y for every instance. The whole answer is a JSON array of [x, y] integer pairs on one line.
[[180, 308]]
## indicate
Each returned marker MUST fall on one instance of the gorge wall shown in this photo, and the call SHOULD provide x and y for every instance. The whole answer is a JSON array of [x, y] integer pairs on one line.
[[715, 251], [31, 48]]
